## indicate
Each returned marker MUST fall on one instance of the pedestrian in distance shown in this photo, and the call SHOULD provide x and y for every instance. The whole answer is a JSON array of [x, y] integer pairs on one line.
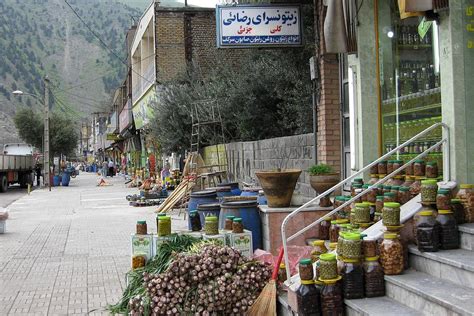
[[104, 168], [111, 168], [38, 174]]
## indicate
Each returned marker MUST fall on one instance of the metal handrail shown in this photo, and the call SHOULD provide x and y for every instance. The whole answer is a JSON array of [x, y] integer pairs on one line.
[[446, 176]]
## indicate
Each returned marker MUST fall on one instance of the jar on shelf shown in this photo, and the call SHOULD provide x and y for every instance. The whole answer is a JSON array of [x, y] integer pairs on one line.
[[391, 254], [408, 181], [282, 277], [429, 189], [324, 226], [390, 166], [332, 301], [386, 189], [404, 195], [141, 228], [448, 230], [338, 201], [308, 297], [395, 189], [419, 168], [409, 170], [334, 231], [352, 246], [354, 187], [465, 192], [443, 199], [389, 197], [374, 169], [195, 221], [374, 178], [369, 247], [397, 164], [379, 200], [319, 248], [427, 232], [397, 181], [382, 167], [211, 226], [458, 211], [415, 188], [372, 194], [352, 279], [357, 192], [229, 220], [425, 207], [158, 216], [374, 281], [164, 226], [327, 266], [391, 214], [347, 208], [305, 269], [237, 226], [362, 213], [364, 197], [431, 169]]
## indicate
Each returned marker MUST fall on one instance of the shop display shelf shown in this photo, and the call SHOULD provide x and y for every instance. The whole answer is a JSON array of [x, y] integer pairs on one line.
[[414, 110]]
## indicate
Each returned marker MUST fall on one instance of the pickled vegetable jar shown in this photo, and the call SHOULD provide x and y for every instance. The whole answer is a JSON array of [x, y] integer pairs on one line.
[[369, 247], [409, 170], [305, 269], [195, 221], [324, 228], [397, 164], [391, 214], [390, 166], [458, 211], [408, 181], [282, 277], [443, 199], [382, 167], [386, 189], [448, 230], [327, 266], [397, 181], [237, 226], [141, 228], [229, 220], [404, 195], [308, 297], [466, 195], [379, 203], [429, 188], [164, 226], [374, 169], [431, 169], [211, 226], [419, 168], [372, 194], [351, 246], [374, 280], [138, 261], [427, 232], [354, 187], [391, 254], [352, 279], [415, 188], [318, 249], [374, 178], [389, 197], [361, 213]]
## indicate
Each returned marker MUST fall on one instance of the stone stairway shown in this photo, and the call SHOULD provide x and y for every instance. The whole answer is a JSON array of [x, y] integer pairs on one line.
[[437, 283]]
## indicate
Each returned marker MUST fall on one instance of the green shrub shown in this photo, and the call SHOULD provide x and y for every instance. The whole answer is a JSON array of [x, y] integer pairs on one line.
[[320, 169]]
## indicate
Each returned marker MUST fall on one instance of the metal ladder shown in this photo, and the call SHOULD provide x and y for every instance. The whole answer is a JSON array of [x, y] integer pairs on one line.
[[446, 177]]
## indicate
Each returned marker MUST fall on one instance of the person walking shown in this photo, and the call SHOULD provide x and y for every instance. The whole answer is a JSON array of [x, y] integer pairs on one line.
[[111, 168], [104, 168], [38, 174]]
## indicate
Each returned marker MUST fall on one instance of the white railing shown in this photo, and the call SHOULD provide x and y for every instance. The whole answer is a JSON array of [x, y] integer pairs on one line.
[[446, 176]]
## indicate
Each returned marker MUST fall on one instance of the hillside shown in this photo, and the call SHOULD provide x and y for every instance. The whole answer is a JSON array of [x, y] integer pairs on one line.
[[42, 37]]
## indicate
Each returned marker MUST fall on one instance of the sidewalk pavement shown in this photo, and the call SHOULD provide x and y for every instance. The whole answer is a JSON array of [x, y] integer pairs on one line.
[[66, 252]]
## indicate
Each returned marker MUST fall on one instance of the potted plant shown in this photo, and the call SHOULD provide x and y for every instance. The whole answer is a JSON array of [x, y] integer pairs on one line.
[[322, 177], [279, 183]]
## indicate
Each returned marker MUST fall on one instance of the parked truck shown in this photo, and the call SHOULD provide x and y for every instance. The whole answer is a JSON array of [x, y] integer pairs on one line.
[[16, 166]]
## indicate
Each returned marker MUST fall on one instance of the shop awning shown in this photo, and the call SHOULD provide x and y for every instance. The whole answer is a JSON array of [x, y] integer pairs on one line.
[[340, 26]]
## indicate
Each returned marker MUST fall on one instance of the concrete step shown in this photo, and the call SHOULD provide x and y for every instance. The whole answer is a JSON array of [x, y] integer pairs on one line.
[[378, 306], [430, 295], [455, 265], [466, 232]]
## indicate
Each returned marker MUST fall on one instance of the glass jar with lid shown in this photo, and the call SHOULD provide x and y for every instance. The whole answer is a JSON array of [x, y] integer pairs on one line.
[[424, 207], [327, 266], [404, 195], [369, 247], [159, 215], [164, 226], [352, 279], [308, 297], [419, 168], [429, 189], [408, 181], [305, 269], [352, 246], [427, 232], [389, 197], [374, 178], [391, 254], [397, 164], [354, 186], [397, 181], [377, 216], [372, 194], [443, 199], [386, 189], [448, 230], [318, 248], [340, 242], [229, 220], [364, 196], [379, 200], [409, 170], [374, 280], [211, 226], [458, 211], [332, 301], [324, 226], [196, 221], [141, 228], [415, 188], [465, 192], [394, 189], [373, 169], [335, 228], [390, 166], [237, 226], [391, 214], [282, 277], [431, 169], [362, 213], [382, 167]]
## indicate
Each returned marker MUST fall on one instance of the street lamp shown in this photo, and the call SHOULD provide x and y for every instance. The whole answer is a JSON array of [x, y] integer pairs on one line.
[[46, 127]]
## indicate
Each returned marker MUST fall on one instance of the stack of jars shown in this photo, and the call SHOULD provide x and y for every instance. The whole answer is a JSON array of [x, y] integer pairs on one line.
[[391, 248], [466, 198]]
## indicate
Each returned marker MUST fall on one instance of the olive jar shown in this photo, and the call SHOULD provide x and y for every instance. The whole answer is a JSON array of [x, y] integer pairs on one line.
[[443, 199], [374, 281], [352, 279], [362, 213], [195, 221], [415, 187], [369, 247], [448, 230], [429, 189], [308, 297], [427, 232], [391, 254], [323, 229], [404, 195], [229, 220], [327, 266], [391, 214], [382, 167], [237, 226], [419, 168], [431, 170], [389, 197], [319, 248], [379, 203], [211, 226], [164, 226], [351, 246], [305, 269], [141, 228]]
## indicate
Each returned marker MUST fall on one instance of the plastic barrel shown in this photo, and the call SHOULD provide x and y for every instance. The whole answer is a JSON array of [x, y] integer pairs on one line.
[[262, 199], [234, 187], [250, 191], [66, 179], [200, 197], [250, 218], [56, 181], [222, 191], [205, 210]]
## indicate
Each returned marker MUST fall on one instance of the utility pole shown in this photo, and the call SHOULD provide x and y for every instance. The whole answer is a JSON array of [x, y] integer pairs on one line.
[[46, 134]]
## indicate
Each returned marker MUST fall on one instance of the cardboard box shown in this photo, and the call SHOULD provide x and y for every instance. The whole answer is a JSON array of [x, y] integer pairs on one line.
[[157, 241], [220, 237], [141, 245], [241, 242]]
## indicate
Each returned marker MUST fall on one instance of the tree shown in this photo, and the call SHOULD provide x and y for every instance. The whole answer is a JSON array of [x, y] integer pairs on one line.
[[63, 135]]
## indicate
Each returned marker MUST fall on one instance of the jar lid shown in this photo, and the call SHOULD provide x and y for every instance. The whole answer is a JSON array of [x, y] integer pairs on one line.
[[237, 219], [348, 260], [141, 222], [318, 242], [331, 281], [445, 212], [398, 161], [365, 186], [347, 198], [365, 225], [361, 204], [419, 178], [327, 256], [389, 194], [340, 198], [466, 186], [419, 161], [379, 197], [396, 187], [342, 221], [230, 217], [429, 182], [357, 185], [425, 213], [305, 261], [211, 219], [165, 218], [382, 162], [390, 236], [398, 177], [332, 245], [282, 266], [404, 189], [371, 258], [307, 282], [327, 218], [431, 163], [373, 175], [371, 203], [391, 204], [387, 187], [164, 214], [352, 236], [360, 180], [381, 176], [443, 191], [455, 201], [334, 222]]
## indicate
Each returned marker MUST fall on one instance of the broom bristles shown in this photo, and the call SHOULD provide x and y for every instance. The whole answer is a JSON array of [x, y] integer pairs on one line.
[[265, 305]]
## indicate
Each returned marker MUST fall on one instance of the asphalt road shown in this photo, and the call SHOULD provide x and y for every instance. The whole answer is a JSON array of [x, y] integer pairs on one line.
[[13, 193]]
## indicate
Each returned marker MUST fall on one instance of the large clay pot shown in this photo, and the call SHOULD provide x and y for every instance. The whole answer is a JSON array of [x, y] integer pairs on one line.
[[278, 185], [323, 182]]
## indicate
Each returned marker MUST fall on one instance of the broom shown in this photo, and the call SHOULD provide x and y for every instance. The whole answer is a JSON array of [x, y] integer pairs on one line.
[[265, 305]]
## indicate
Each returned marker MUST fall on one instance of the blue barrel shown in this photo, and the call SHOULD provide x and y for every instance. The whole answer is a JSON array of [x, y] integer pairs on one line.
[[56, 181], [200, 197], [262, 199], [205, 210], [253, 191], [234, 187], [66, 179], [221, 192], [250, 218]]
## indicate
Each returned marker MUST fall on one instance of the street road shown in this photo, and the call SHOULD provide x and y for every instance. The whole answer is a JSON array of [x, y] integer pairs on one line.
[[13, 193]]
